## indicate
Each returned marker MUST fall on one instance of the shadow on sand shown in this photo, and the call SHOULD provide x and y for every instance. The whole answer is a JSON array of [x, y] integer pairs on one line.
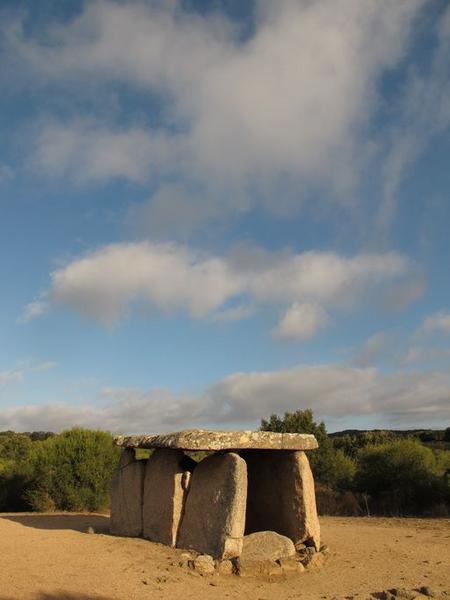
[[76, 522]]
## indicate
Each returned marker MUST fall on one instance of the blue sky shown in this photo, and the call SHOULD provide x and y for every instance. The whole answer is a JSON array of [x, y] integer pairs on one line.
[[215, 211]]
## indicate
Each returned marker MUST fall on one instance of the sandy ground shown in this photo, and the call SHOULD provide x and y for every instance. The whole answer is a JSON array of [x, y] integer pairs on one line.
[[51, 557]]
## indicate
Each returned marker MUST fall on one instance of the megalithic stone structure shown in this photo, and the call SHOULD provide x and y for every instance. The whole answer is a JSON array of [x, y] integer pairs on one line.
[[281, 495], [166, 484], [126, 496], [214, 518], [250, 481]]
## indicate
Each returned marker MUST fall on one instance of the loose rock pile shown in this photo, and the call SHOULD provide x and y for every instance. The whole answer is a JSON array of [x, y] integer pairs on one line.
[[265, 554], [257, 483]]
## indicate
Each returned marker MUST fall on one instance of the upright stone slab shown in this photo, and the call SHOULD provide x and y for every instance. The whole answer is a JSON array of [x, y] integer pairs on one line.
[[281, 495], [126, 496], [166, 483], [214, 517]]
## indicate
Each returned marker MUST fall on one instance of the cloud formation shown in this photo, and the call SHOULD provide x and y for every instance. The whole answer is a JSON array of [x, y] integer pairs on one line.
[[287, 107], [423, 111], [92, 151], [403, 399], [34, 309], [379, 345], [10, 376], [24, 367], [438, 322], [301, 321], [107, 284]]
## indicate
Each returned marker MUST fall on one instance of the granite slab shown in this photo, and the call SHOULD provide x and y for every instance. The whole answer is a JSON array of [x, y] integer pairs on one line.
[[207, 440]]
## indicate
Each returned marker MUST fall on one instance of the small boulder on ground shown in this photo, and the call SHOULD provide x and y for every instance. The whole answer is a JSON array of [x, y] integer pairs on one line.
[[204, 565], [262, 553], [267, 545], [225, 567], [185, 559]]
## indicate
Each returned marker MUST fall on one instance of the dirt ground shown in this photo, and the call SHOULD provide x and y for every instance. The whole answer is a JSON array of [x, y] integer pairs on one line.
[[51, 557]]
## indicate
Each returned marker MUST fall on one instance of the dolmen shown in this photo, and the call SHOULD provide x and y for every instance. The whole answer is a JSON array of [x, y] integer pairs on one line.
[[248, 482]]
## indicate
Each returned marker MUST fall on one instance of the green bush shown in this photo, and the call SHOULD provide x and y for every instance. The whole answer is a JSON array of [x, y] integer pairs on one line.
[[72, 471], [401, 477], [15, 452]]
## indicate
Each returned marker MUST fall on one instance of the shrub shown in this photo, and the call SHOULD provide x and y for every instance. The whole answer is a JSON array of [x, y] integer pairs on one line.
[[72, 471], [400, 477]]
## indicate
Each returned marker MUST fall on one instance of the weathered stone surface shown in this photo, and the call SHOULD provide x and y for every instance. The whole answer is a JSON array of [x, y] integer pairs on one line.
[[126, 496], [267, 553], [165, 488], [214, 516], [281, 495], [200, 439], [267, 545], [314, 561], [204, 565], [224, 567], [291, 565], [185, 559]]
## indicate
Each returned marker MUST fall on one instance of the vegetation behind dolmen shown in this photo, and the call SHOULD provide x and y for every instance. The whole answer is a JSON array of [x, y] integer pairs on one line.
[[382, 472]]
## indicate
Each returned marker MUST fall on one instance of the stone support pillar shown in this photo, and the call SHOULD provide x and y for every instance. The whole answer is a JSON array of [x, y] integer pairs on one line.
[[214, 517], [126, 496], [166, 483]]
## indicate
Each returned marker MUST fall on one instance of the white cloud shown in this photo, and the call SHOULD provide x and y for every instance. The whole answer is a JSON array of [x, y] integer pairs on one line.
[[107, 284], [34, 309], [438, 322], [421, 354], [399, 296], [301, 321], [94, 152], [401, 399], [335, 391], [45, 365], [423, 111], [7, 377], [23, 367], [377, 346], [287, 108], [235, 313], [176, 211]]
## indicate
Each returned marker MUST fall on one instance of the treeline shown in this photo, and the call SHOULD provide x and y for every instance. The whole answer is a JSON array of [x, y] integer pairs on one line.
[[375, 472], [71, 471], [433, 438], [357, 473]]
